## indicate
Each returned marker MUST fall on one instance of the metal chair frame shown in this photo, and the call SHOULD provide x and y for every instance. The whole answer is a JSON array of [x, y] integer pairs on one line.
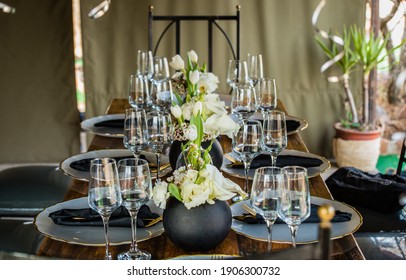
[[211, 21]]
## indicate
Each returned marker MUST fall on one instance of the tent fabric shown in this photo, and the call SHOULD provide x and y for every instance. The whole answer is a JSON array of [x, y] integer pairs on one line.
[[39, 119], [280, 30]]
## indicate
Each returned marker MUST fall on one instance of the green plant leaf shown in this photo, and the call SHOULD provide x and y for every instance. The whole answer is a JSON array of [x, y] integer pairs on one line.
[[174, 191]]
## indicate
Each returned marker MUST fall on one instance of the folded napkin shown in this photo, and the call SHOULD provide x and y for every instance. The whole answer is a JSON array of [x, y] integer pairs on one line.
[[88, 217], [281, 161], [84, 164], [292, 125], [339, 217], [119, 123]]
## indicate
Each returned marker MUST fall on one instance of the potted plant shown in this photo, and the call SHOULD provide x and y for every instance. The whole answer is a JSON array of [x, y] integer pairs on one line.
[[357, 140]]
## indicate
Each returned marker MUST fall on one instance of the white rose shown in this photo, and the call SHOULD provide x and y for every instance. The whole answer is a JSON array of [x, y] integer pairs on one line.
[[192, 56], [194, 195], [191, 132], [208, 82], [160, 194], [197, 108], [213, 105], [194, 76], [176, 111], [220, 125], [177, 63]]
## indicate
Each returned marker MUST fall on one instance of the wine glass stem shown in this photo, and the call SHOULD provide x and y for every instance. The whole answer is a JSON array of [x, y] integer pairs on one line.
[[133, 214], [106, 236], [269, 224], [273, 160], [158, 165], [247, 165], [293, 231]]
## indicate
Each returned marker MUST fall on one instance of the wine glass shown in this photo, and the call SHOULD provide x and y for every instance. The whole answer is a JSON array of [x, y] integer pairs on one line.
[[243, 101], [294, 205], [135, 131], [255, 68], [138, 95], [237, 73], [265, 195], [145, 64], [275, 134], [247, 144], [160, 69], [159, 134], [136, 190], [104, 192], [266, 95], [161, 94]]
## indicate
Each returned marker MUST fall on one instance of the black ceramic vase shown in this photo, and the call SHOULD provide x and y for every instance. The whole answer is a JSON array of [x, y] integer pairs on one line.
[[216, 152], [200, 228]]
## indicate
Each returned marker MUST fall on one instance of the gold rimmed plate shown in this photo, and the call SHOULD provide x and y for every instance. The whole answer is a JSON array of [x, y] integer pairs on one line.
[[68, 165], [307, 233], [105, 125], [231, 159], [92, 235]]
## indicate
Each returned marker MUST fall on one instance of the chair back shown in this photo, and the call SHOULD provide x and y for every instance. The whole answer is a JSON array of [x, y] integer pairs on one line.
[[402, 158], [212, 22]]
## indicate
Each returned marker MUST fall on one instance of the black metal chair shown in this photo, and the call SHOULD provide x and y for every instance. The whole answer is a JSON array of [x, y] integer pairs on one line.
[[212, 21], [402, 159]]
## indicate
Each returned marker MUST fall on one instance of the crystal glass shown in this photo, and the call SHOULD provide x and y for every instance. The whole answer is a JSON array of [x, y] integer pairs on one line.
[[138, 92], [243, 101], [255, 68], [265, 195], [237, 73], [266, 95], [160, 69], [161, 95], [294, 205], [136, 190], [135, 131], [104, 192], [145, 65], [275, 134], [160, 134], [247, 144]]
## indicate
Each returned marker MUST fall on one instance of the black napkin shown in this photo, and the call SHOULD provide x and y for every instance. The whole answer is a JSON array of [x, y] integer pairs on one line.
[[292, 125], [339, 217], [281, 161], [88, 217], [119, 123], [84, 164]]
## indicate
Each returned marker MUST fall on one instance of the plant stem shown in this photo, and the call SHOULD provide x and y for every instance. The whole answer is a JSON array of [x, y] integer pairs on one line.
[[350, 98]]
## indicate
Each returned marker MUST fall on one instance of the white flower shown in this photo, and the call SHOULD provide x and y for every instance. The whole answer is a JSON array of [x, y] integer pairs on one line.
[[177, 63], [224, 188], [197, 108], [192, 56], [187, 109], [194, 76], [208, 82], [213, 105], [160, 194], [176, 111], [220, 125], [191, 132], [194, 195]]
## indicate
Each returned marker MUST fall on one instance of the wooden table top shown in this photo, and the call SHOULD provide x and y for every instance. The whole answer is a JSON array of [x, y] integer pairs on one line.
[[161, 247]]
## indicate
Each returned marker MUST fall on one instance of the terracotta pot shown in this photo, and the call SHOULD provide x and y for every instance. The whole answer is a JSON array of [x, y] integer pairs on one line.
[[352, 134]]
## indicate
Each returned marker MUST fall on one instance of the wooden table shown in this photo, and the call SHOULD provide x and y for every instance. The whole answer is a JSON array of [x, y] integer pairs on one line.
[[161, 247]]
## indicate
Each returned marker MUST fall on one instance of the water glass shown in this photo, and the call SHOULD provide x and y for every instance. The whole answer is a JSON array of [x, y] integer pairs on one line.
[[255, 68], [266, 95], [295, 199], [138, 93], [161, 95], [275, 134], [104, 192], [243, 101], [237, 73], [135, 131]]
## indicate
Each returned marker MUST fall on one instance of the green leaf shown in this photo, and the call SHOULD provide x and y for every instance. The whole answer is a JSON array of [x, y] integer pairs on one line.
[[174, 191], [179, 100]]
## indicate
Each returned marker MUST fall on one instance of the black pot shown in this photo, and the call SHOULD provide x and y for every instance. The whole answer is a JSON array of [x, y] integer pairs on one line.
[[216, 152], [200, 228]]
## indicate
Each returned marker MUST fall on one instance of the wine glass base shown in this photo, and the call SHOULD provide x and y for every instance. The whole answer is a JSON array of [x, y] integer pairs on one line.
[[139, 255]]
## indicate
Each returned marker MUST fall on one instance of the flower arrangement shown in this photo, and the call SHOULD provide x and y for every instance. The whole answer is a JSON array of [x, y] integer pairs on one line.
[[200, 115]]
